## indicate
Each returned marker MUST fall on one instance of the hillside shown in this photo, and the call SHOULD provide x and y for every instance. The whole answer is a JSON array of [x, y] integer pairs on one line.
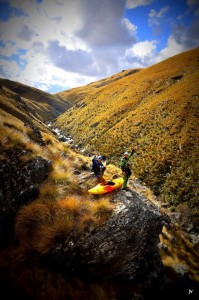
[[59, 242], [153, 109], [75, 95], [46, 106]]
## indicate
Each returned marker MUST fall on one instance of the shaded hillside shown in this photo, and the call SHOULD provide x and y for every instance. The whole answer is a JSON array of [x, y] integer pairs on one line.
[[44, 104], [16, 109], [156, 111]]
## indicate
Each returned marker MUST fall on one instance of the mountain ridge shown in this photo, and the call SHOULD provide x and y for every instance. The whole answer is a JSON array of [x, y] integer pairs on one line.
[[38, 99]]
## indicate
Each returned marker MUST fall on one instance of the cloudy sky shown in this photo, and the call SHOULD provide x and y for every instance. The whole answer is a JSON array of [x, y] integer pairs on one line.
[[56, 45]]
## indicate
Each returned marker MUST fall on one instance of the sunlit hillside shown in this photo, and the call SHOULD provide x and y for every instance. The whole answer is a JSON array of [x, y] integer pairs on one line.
[[45, 207], [75, 95], [155, 110], [46, 106]]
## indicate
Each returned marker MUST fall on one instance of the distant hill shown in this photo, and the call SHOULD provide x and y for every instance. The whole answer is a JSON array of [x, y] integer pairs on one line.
[[156, 111], [75, 95], [44, 104]]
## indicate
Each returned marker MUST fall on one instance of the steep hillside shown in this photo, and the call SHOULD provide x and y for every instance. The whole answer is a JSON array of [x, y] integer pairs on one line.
[[59, 242], [156, 111], [44, 104], [75, 95]]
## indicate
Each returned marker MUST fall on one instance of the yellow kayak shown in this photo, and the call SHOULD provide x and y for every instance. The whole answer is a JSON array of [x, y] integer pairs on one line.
[[108, 187]]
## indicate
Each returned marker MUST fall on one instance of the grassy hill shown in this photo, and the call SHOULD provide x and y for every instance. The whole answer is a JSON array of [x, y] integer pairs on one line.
[[44, 104], [155, 110], [62, 209]]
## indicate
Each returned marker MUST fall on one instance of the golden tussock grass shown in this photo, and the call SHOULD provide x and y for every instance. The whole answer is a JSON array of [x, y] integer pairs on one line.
[[179, 250], [72, 204], [58, 174], [80, 163], [49, 191], [62, 174], [102, 209], [48, 138], [53, 143], [40, 226], [12, 138], [35, 148], [153, 110]]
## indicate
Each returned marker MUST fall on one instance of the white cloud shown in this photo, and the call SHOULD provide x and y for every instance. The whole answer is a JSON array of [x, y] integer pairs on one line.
[[172, 48], [102, 24], [136, 3], [80, 38], [140, 55], [8, 49], [155, 17], [11, 68], [143, 49], [181, 39], [131, 27], [73, 42]]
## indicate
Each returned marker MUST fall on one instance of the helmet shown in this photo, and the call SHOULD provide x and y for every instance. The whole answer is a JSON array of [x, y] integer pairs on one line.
[[126, 153], [100, 157]]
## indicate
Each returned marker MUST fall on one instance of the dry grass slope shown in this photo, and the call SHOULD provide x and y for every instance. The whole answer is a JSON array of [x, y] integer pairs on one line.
[[60, 211], [63, 208], [156, 111], [36, 101]]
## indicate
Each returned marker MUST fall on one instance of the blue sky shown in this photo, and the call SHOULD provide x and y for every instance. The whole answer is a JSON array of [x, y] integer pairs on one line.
[[56, 45]]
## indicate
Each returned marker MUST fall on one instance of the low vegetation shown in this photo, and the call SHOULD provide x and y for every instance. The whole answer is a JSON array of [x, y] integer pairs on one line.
[[155, 110]]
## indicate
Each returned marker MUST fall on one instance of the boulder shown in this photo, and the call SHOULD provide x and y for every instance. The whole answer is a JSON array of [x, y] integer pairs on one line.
[[19, 185], [125, 248]]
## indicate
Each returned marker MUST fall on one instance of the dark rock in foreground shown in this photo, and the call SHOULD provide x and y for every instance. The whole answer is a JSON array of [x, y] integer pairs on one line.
[[124, 249], [19, 185]]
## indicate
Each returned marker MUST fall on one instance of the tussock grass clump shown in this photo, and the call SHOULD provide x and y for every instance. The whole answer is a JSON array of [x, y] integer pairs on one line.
[[59, 174], [72, 204], [40, 226], [102, 209], [179, 250], [49, 191], [11, 132], [48, 138], [80, 164]]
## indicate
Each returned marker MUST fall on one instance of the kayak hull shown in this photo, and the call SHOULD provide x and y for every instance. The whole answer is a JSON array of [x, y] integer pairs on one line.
[[107, 188]]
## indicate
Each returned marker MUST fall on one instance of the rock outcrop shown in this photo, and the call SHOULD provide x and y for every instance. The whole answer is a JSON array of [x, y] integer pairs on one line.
[[19, 185], [124, 249]]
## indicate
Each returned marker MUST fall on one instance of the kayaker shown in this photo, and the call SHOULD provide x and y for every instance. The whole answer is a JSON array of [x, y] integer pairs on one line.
[[124, 165], [98, 168]]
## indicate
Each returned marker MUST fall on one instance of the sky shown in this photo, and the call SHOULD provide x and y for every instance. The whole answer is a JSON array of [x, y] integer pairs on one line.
[[56, 45]]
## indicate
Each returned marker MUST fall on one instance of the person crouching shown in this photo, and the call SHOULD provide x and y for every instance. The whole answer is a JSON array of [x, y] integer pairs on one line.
[[98, 168]]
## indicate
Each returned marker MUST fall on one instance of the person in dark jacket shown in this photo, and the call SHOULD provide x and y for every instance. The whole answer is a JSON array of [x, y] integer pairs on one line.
[[124, 165], [98, 168]]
